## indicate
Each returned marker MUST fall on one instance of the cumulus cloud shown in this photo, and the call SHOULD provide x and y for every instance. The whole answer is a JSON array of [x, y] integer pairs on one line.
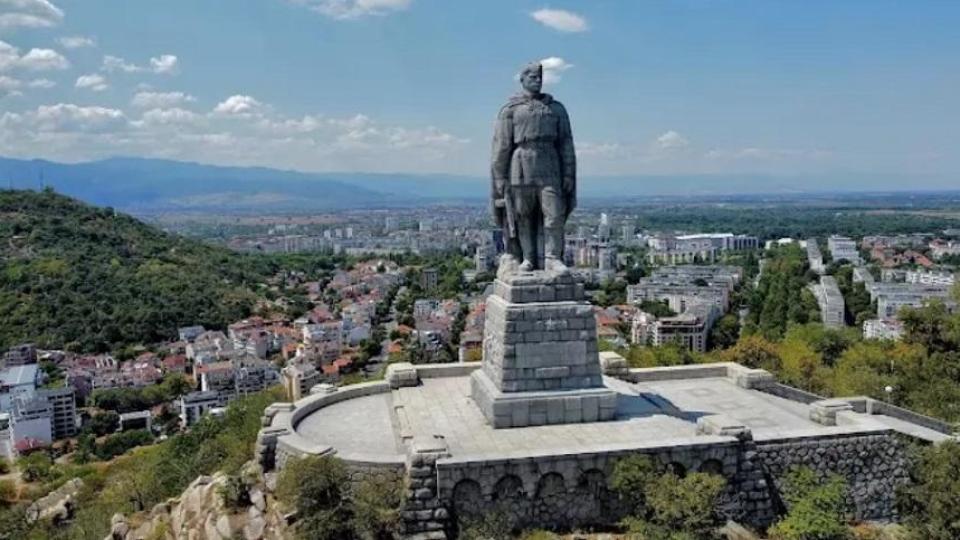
[[353, 9], [10, 86], [560, 20], [33, 60], [77, 42], [237, 105], [93, 81], [165, 64], [671, 140], [553, 67], [43, 60], [29, 14], [160, 100], [240, 130], [71, 117]]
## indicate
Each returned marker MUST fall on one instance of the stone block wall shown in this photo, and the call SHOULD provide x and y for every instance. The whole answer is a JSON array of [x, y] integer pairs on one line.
[[570, 491], [538, 347], [874, 466]]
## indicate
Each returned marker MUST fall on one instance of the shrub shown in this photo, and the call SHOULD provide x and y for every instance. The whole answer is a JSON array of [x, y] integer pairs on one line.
[[35, 466], [4, 465], [931, 504], [8, 491], [630, 478], [120, 443], [664, 506], [234, 492], [376, 508], [314, 487], [817, 508]]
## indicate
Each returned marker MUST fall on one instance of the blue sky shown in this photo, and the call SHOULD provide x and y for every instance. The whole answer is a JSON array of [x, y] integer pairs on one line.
[[653, 87]]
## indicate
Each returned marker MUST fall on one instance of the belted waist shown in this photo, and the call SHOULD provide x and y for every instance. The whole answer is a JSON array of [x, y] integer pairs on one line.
[[541, 143]]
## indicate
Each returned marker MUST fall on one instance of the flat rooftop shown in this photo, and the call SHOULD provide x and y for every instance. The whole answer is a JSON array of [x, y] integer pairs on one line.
[[649, 414]]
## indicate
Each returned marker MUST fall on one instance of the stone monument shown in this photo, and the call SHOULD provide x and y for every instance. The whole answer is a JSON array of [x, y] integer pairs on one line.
[[540, 359]]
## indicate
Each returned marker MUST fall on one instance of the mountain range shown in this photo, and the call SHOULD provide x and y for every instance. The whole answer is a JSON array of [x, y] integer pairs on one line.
[[140, 184]]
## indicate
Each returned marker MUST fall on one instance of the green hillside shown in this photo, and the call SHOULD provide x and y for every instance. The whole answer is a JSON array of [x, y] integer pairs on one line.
[[90, 279]]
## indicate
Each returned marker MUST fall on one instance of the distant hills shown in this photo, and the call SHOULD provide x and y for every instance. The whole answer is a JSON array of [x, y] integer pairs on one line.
[[144, 185]]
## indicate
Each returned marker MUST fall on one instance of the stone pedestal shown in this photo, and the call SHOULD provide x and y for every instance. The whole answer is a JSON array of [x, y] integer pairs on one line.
[[540, 361]]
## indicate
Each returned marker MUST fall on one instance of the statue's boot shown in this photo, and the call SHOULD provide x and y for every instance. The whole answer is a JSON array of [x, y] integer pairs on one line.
[[526, 266], [553, 251]]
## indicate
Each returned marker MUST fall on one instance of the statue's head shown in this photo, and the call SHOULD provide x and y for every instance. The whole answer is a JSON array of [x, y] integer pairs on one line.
[[531, 77]]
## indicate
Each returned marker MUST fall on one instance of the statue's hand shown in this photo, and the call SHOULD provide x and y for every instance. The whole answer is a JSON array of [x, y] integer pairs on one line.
[[568, 184]]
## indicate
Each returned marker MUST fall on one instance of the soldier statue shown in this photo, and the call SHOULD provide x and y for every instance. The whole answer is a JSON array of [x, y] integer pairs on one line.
[[534, 177]]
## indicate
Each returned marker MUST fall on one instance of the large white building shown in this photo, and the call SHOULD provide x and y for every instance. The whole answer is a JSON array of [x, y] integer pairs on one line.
[[814, 256], [882, 329], [843, 248], [830, 300]]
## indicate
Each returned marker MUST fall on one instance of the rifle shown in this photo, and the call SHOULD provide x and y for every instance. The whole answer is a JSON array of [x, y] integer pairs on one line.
[[507, 204]]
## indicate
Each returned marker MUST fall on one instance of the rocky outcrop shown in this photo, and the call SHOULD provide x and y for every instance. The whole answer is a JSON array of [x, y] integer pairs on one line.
[[200, 513], [58, 505]]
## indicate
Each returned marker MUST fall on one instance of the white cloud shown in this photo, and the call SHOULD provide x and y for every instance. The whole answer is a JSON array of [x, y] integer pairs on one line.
[[41, 83], [10, 86], [160, 100], [70, 117], [93, 81], [244, 131], [43, 60], [237, 105], [163, 64], [172, 116], [553, 66], [352, 9], [34, 60], [671, 140], [115, 63], [29, 14], [77, 42], [560, 20]]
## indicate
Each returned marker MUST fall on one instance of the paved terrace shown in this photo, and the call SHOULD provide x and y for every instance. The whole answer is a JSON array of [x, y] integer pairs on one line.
[[659, 408]]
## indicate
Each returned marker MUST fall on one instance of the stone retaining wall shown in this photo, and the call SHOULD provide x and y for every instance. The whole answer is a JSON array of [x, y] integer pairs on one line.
[[873, 465], [570, 491]]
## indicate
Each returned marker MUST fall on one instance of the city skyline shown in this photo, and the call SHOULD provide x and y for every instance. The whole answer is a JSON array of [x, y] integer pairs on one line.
[[413, 85]]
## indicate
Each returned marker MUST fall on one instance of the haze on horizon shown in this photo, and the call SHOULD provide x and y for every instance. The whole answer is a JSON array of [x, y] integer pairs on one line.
[[677, 87]]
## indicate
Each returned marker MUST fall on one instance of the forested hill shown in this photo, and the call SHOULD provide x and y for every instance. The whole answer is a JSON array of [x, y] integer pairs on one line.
[[91, 279]]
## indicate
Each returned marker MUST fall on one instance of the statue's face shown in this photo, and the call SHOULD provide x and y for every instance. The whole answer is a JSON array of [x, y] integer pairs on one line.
[[532, 80]]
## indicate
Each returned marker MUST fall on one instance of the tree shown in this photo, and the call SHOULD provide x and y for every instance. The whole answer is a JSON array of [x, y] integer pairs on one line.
[[103, 423], [725, 333], [664, 505], [817, 509], [930, 502], [801, 366], [314, 486], [754, 352], [376, 508]]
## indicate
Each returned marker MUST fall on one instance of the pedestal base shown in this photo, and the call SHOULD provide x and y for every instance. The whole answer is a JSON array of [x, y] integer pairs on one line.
[[523, 409]]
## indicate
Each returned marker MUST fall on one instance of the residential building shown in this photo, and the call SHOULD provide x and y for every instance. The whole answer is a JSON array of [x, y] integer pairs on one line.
[[16, 381], [32, 419], [20, 355], [882, 329], [195, 404], [814, 256], [63, 405], [429, 279], [190, 333], [135, 420], [831, 302], [930, 277], [843, 248]]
